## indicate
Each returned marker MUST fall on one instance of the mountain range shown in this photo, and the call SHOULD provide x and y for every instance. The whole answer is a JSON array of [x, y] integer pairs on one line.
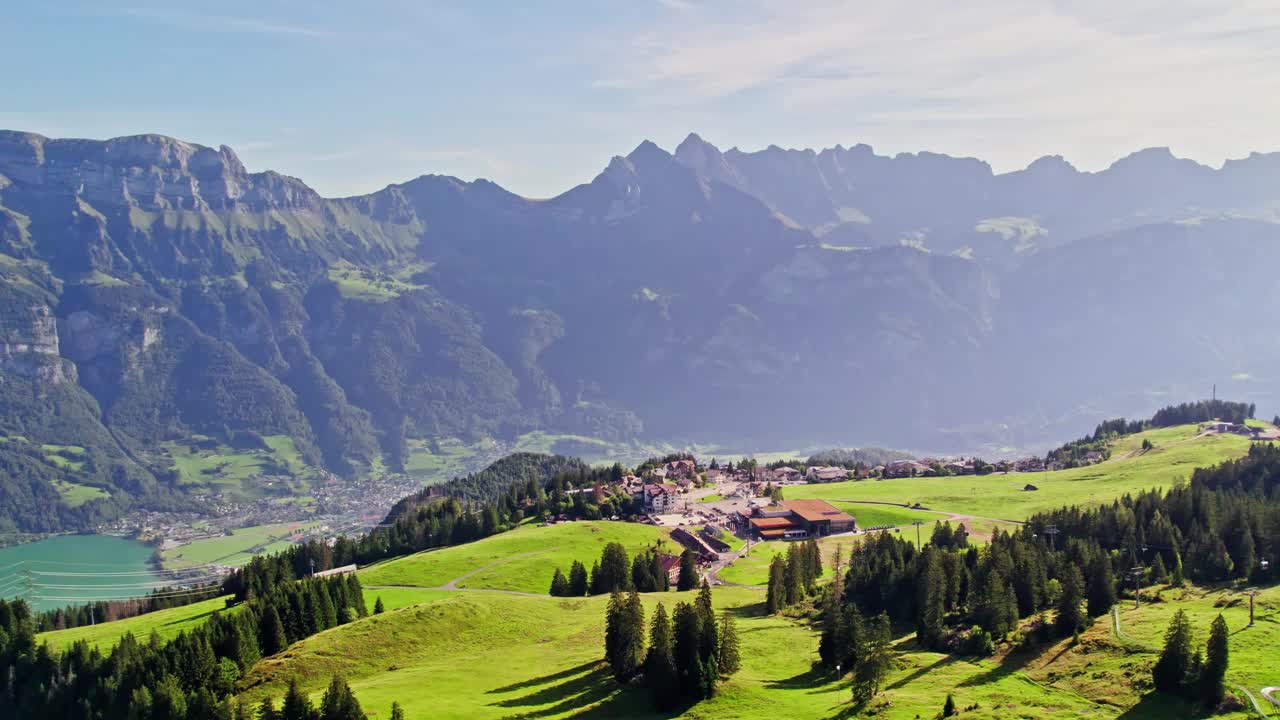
[[155, 290]]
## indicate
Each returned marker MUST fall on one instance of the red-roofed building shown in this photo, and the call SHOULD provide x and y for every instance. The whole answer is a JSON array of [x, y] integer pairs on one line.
[[659, 499], [800, 519]]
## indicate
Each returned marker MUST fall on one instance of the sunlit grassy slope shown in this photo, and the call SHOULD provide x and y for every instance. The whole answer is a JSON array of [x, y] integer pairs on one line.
[[1177, 452], [166, 623], [523, 559], [483, 655]]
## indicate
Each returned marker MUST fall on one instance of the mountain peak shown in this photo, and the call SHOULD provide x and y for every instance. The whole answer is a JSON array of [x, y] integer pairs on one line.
[[697, 153], [648, 150], [1051, 163]]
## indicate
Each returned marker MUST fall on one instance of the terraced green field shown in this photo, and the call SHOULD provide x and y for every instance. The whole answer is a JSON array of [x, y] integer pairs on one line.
[[235, 549], [1177, 452], [166, 623], [522, 560]]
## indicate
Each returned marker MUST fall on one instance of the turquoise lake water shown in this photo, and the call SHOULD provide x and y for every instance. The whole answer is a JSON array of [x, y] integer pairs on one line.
[[73, 569]]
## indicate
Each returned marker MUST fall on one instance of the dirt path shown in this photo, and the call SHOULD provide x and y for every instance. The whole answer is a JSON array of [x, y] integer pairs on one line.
[[1270, 694]]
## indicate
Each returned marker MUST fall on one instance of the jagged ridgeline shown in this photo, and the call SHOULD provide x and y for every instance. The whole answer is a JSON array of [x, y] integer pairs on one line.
[[159, 302]]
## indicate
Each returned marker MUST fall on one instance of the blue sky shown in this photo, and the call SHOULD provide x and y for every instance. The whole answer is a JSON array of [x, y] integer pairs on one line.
[[537, 96]]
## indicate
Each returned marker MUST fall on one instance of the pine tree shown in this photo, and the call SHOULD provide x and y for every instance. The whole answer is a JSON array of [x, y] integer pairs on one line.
[[930, 603], [597, 580], [632, 647], [794, 575], [1175, 575], [730, 653], [776, 597], [378, 607], [579, 583], [659, 663], [642, 574], [1211, 690], [1158, 572], [615, 568], [1069, 619], [339, 703], [949, 707], [662, 582], [1243, 551], [296, 705], [1170, 673], [267, 711], [709, 640], [688, 578], [613, 633], [1102, 587], [271, 635], [559, 584], [815, 561], [397, 712], [686, 650], [875, 660]]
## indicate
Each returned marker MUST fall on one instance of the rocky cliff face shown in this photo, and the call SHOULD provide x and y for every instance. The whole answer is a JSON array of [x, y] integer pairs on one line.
[[29, 345], [150, 172]]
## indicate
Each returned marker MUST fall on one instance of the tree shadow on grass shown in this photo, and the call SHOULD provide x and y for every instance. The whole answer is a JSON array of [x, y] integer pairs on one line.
[[191, 619], [588, 691], [545, 679], [815, 679], [743, 612], [590, 694], [1013, 662], [569, 692], [921, 672], [1159, 706]]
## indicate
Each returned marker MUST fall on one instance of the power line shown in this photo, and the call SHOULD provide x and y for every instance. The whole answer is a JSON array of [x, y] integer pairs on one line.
[[211, 592], [140, 586], [143, 573]]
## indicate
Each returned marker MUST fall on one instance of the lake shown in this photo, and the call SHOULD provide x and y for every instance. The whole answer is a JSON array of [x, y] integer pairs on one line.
[[73, 569]]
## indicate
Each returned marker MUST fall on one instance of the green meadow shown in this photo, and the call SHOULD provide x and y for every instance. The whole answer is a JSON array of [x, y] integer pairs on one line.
[[470, 654], [1177, 452], [523, 559], [165, 623]]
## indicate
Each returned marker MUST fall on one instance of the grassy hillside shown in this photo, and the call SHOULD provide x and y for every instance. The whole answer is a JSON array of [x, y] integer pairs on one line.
[[1177, 452], [541, 658], [1254, 651], [522, 560], [166, 623]]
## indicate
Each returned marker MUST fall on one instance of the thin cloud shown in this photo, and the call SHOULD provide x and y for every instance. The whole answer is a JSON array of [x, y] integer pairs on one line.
[[225, 23], [1078, 77]]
